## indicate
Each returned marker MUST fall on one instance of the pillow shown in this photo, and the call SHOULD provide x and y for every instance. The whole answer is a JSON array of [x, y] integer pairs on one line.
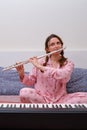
[[9, 82], [78, 81]]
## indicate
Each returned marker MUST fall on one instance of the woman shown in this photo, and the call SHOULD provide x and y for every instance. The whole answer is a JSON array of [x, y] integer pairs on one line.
[[49, 77]]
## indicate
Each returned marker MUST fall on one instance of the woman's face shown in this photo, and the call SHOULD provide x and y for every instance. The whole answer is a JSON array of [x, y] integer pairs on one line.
[[53, 44]]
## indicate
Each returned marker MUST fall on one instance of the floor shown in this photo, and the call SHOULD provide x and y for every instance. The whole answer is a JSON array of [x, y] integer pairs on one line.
[[9, 99]]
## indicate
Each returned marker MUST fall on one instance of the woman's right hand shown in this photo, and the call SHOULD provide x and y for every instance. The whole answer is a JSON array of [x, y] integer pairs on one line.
[[20, 70]]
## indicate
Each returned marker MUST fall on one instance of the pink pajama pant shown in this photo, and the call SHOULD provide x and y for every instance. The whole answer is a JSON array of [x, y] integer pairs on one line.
[[29, 95]]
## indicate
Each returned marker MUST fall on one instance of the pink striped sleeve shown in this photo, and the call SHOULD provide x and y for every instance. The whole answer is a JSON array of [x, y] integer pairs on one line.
[[60, 73]]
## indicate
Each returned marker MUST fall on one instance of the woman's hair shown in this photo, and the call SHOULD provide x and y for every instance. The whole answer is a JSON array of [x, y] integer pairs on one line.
[[63, 59]]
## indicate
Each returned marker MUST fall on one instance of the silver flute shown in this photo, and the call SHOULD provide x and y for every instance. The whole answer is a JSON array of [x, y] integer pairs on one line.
[[27, 61]]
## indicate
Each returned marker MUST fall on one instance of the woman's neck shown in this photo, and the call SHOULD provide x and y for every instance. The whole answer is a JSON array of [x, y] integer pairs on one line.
[[55, 58]]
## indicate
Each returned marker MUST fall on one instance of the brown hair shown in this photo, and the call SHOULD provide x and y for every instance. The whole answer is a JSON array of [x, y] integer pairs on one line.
[[63, 59]]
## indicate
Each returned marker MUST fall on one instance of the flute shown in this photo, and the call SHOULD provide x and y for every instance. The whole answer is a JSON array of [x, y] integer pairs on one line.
[[26, 61]]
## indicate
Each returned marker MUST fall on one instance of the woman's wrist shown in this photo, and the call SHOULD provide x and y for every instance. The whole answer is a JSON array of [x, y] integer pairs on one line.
[[41, 67], [21, 77]]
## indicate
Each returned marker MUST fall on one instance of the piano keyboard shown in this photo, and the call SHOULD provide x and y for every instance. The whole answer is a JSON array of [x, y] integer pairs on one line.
[[41, 108], [43, 116]]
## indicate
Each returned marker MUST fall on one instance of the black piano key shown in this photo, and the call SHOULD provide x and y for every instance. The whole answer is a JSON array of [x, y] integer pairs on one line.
[[83, 106]]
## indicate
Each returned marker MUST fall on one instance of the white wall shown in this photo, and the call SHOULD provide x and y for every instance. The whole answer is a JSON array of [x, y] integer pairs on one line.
[[24, 24]]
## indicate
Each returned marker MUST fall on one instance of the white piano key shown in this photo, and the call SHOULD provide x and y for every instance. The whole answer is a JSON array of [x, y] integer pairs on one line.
[[50, 105], [45, 105], [4, 105], [27, 105], [17, 105], [22, 105], [84, 105], [40, 105], [32, 105]]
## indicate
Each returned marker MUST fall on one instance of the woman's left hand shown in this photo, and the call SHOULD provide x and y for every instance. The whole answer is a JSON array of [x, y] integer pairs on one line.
[[34, 61]]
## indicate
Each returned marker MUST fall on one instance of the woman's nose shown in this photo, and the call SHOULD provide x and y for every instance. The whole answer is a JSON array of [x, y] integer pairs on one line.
[[56, 45]]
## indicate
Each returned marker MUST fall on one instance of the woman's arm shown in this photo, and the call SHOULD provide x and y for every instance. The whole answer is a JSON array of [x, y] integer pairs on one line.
[[24, 78], [60, 73]]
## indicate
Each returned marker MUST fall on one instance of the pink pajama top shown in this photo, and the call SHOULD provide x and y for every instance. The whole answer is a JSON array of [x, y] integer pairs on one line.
[[50, 84]]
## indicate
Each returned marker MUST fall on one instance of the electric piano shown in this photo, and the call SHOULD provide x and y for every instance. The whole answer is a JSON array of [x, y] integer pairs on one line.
[[43, 116]]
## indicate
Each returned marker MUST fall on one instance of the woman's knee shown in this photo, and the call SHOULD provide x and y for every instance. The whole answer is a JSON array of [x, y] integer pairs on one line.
[[26, 94]]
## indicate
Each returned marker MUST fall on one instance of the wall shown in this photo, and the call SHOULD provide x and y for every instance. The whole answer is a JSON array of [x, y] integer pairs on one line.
[[24, 24]]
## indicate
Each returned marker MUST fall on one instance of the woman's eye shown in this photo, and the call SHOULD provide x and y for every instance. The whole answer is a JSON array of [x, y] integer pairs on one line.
[[52, 44], [58, 43]]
